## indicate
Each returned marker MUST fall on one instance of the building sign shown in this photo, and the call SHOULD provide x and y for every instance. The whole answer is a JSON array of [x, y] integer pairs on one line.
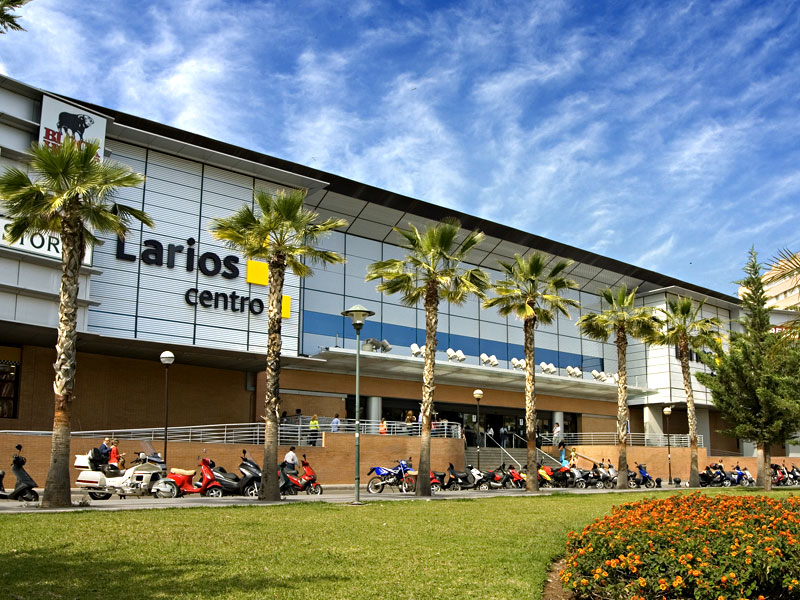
[[60, 119], [46, 244], [209, 264]]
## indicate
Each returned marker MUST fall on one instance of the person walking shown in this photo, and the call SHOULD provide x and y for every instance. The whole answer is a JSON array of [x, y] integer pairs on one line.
[[335, 422], [556, 434], [382, 427], [291, 460], [410, 420], [503, 435]]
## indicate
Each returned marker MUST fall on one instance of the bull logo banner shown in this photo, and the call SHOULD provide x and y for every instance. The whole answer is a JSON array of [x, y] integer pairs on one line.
[[60, 119]]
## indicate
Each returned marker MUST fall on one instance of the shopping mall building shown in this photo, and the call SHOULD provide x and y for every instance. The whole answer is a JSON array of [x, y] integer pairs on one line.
[[176, 288]]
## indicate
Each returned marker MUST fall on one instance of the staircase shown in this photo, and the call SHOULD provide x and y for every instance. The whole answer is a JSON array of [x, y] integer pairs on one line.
[[494, 457]]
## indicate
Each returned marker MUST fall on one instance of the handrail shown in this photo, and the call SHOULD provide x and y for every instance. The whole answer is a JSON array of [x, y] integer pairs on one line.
[[288, 433]]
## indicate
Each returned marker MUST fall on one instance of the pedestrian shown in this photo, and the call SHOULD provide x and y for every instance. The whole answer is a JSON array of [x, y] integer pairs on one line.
[[410, 420], [313, 428], [556, 434], [562, 450], [573, 456], [382, 427], [489, 434], [464, 436], [291, 459], [335, 423], [284, 417], [503, 436], [114, 455]]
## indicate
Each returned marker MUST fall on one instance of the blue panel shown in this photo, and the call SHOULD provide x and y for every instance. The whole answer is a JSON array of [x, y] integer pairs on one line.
[[468, 345], [592, 362], [548, 356], [517, 351], [320, 323], [397, 335], [499, 349], [568, 359]]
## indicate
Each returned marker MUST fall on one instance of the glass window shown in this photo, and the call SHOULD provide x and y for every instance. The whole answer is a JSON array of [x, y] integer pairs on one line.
[[9, 390], [358, 246]]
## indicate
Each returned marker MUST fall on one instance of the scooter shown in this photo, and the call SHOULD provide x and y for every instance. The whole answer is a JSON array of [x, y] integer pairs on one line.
[[307, 482], [23, 489], [517, 480], [438, 481], [458, 480], [480, 479], [499, 478], [103, 481], [398, 476], [181, 481], [246, 485], [644, 479]]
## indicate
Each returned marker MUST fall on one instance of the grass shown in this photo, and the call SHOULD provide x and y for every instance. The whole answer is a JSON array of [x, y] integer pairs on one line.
[[491, 547]]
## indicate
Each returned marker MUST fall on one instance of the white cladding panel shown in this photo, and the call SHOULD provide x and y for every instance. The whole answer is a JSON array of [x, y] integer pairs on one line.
[[159, 302]]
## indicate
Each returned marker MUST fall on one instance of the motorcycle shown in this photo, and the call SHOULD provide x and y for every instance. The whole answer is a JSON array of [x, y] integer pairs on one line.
[[517, 480], [247, 484], [438, 481], [398, 476], [742, 477], [459, 480], [102, 481], [23, 489], [499, 478], [480, 479], [307, 482], [179, 482], [644, 478]]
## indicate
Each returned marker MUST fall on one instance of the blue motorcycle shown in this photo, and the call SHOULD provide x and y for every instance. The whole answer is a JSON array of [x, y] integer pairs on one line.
[[399, 477], [644, 478]]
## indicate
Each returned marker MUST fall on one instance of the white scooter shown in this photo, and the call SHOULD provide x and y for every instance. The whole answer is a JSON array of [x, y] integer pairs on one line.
[[102, 481]]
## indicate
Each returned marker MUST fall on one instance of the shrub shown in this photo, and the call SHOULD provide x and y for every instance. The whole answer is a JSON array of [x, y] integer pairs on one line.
[[689, 546]]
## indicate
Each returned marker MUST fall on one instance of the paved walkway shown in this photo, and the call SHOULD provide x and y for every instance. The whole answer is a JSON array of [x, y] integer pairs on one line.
[[342, 494]]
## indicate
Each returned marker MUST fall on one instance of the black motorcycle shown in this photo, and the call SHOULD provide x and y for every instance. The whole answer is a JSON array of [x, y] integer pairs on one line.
[[23, 490], [246, 485]]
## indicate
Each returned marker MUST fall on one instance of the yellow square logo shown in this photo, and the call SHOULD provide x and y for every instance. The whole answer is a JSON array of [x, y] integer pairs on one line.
[[257, 272], [286, 306]]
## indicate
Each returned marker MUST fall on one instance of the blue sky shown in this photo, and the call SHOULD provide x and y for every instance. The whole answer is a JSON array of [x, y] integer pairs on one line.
[[663, 134]]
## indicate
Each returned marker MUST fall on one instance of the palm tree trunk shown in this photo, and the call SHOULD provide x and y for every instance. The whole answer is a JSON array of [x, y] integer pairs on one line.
[[529, 328], [57, 486], [428, 385], [763, 461], [269, 476], [694, 473], [622, 408]]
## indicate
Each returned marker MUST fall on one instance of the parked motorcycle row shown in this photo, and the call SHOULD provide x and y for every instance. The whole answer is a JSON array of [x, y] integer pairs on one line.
[[715, 475], [148, 476]]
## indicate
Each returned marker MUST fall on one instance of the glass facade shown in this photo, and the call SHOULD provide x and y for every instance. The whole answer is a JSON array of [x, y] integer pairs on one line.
[[464, 327]]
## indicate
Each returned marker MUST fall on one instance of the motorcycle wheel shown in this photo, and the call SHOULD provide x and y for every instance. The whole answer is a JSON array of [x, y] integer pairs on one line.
[[165, 488], [214, 492], [609, 484], [546, 484], [726, 483], [455, 487], [650, 483], [314, 490], [599, 485], [99, 496], [632, 484], [251, 491], [374, 486], [580, 484], [484, 486], [31, 496], [436, 488], [408, 485]]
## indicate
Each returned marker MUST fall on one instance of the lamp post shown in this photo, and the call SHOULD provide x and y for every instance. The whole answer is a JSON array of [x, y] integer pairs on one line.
[[167, 358], [358, 315], [667, 413], [478, 394]]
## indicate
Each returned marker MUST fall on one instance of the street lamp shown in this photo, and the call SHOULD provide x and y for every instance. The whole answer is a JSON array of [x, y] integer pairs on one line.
[[667, 413], [358, 315], [167, 358], [478, 394]]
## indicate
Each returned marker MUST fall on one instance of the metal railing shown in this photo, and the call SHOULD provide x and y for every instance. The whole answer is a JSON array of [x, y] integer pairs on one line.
[[609, 438], [288, 434]]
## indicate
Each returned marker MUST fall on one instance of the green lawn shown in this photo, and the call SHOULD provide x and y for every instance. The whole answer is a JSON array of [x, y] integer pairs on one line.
[[481, 548]]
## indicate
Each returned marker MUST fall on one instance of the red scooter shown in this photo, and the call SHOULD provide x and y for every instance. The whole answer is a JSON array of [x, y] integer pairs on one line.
[[517, 480], [208, 485], [292, 482]]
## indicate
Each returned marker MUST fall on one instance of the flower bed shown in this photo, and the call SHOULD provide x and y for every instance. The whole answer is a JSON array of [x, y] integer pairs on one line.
[[689, 546]]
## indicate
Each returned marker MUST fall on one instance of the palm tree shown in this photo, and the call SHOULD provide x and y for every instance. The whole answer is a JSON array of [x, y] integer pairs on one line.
[[71, 196], [621, 319], [685, 328], [430, 272], [532, 294], [8, 20], [283, 233]]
